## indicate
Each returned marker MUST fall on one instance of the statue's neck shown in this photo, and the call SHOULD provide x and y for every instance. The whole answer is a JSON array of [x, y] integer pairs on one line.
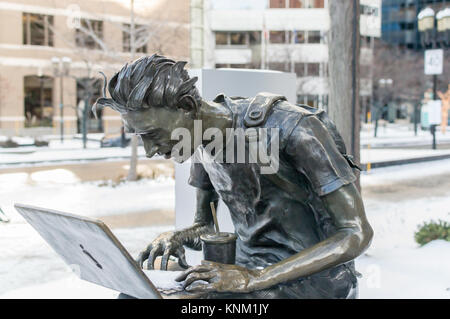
[[215, 115]]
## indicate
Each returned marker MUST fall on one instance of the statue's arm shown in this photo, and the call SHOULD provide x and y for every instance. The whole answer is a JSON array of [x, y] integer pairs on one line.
[[353, 236], [203, 221]]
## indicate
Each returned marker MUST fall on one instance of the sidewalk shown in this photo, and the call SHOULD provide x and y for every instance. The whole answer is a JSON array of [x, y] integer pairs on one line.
[[396, 144], [383, 157], [71, 150], [393, 135]]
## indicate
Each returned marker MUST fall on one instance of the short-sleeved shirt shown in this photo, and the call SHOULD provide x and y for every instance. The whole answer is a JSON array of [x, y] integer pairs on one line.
[[271, 223]]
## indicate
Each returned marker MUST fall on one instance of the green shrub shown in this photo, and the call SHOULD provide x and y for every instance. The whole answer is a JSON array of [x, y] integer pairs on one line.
[[432, 230]]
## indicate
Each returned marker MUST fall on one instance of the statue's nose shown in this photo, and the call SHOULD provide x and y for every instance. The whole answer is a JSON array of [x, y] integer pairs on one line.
[[150, 150]]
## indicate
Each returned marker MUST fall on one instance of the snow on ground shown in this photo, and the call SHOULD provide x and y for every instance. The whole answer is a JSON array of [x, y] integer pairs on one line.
[[60, 189], [393, 267], [27, 260], [399, 173], [29, 155]]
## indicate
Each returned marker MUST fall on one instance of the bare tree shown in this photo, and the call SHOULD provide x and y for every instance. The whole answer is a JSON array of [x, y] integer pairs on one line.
[[91, 47], [405, 68]]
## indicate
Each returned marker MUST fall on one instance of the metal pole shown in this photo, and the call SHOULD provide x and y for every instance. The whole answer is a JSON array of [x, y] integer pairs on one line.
[[86, 103], [85, 111], [61, 107], [41, 93], [433, 126], [416, 106]]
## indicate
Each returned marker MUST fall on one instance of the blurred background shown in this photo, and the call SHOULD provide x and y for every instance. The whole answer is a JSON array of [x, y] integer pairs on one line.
[[380, 68]]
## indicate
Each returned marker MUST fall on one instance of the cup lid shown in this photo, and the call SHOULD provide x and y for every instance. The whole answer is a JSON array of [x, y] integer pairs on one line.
[[221, 237]]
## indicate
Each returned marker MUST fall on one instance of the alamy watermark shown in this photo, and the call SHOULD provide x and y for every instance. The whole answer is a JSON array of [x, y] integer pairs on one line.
[[252, 145]]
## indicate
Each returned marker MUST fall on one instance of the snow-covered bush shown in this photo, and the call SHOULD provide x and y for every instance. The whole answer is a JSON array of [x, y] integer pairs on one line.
[[432, 230]]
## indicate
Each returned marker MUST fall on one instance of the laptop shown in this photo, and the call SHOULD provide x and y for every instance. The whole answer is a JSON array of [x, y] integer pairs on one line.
[[101, 258]]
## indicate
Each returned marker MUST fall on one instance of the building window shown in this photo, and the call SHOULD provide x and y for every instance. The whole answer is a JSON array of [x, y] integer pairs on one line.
[[221, 38], [140, 38], [279, 66], [238, 38], [37, 29], [308, 99], [300, 99], [85, 36], [254, 37], [313, 69], [38, 103], [299, 37], [221, 65], [277, 37], [239, 66], [300, 69], [314, 37], [319, 4], [276, 4], [295, 4], [312, 100]]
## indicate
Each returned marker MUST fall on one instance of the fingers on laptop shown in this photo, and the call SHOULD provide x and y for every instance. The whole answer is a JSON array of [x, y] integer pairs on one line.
[[152, 252], [196, 276], [155, 252], [165, 258], [182, 258], [143, 256], [195, 269]]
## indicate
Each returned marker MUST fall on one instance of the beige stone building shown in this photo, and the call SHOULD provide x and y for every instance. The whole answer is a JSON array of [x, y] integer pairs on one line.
[[39, 37]]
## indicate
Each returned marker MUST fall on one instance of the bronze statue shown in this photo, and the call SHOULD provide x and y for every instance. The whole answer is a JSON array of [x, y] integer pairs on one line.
[[299, 228]]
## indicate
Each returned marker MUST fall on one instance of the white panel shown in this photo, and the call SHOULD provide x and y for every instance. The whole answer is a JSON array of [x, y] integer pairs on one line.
[[233, 83], [233, 56]]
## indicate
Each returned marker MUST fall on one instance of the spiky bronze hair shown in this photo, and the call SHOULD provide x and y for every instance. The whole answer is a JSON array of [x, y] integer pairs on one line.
[[154, 81]]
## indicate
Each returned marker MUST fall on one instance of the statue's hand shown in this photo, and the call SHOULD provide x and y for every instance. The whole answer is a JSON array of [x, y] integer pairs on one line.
[[165, 245], [219, 278]]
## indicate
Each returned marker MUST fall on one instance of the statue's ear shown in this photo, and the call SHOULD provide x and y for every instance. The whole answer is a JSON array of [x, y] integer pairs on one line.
[[188, 104]]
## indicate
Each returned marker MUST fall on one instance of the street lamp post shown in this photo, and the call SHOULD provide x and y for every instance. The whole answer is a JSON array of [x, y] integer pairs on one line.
[[61, 69], [434, 30], [383, 83], [41, 94]]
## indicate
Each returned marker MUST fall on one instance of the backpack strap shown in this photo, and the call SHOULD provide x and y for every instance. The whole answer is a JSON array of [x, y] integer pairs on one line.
[[260, 107]]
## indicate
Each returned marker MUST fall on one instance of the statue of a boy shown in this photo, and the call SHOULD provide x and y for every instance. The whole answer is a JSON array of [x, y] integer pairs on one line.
[[298, 228]]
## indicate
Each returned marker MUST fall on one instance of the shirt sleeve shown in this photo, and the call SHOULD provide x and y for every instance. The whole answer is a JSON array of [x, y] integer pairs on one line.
[[314, 153], [198, 176]]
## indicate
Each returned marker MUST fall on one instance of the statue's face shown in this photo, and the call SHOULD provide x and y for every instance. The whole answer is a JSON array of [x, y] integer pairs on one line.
[[155, 126]]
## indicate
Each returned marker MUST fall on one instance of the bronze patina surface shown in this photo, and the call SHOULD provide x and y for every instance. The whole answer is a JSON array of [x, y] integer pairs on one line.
[[298, 229]]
